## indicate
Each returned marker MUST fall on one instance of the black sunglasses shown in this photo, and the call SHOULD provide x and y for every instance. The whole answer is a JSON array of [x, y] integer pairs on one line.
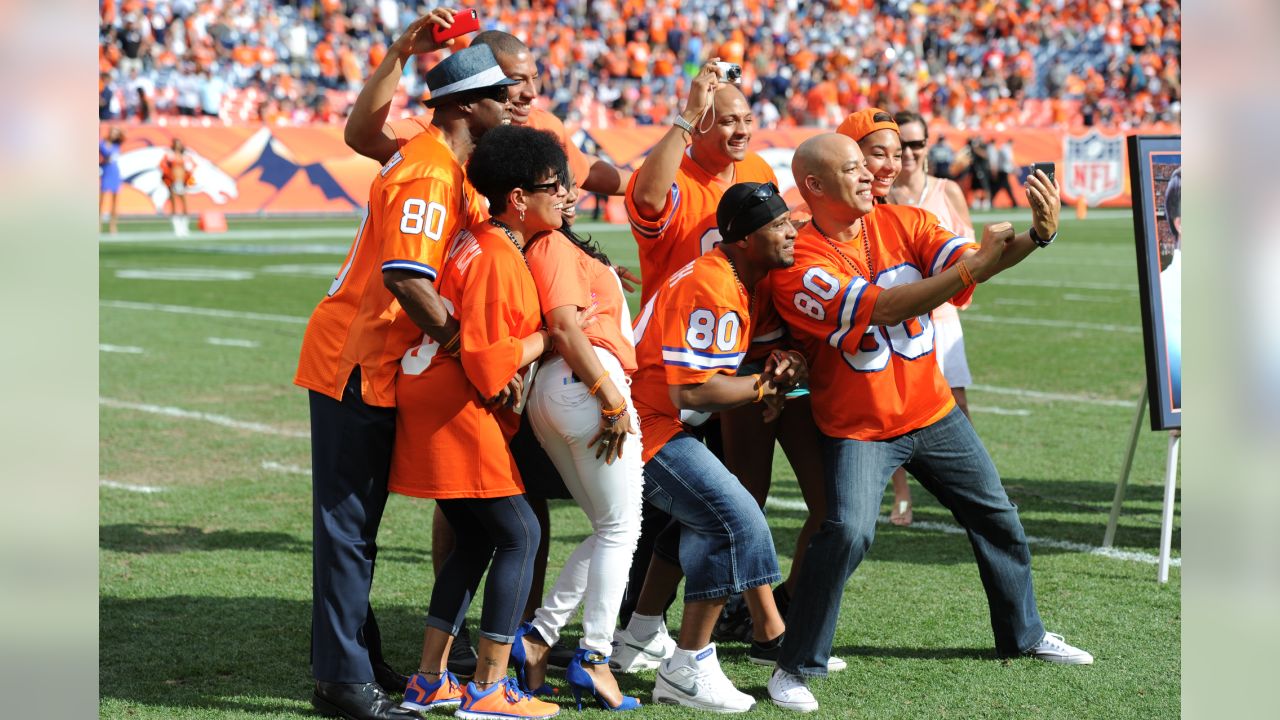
[[550, 186], [757, 197], [916, 145]]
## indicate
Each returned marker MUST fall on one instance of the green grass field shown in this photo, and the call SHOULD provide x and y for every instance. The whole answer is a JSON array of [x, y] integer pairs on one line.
[[205, 521]]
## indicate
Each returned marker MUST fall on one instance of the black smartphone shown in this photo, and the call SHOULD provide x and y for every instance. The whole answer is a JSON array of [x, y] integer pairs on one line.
[[1047, 168]]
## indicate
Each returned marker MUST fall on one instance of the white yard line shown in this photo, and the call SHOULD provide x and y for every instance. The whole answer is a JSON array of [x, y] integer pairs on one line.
[[1054, 397], [233, 342], [287, 469], [1026, 282], [994, 410], [127, 349], [1075, 297], [207, 312], [947, 528], [148, 489], [1044, 322], [222, 420]]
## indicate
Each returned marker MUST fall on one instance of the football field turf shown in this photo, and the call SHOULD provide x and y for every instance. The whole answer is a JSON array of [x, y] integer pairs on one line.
[[205, 514]]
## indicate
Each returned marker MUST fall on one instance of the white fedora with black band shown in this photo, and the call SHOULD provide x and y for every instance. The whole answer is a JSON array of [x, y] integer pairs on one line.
[[474, 68]]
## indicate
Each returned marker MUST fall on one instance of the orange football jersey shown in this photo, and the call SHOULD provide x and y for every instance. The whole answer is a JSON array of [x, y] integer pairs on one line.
[[449, 444], [697, 325], [539, 119], [419, 200], [686, 226], [868, 382], [169, 163]]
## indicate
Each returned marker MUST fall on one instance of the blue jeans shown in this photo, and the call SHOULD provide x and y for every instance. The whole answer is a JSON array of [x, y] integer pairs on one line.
[[725, 544], [949, 461], [500, 535]]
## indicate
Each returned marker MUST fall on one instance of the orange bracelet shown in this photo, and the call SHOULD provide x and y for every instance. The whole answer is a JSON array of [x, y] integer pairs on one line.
[[965, 276], [615, 412], [759, 388], [453, 343], [599, 381]]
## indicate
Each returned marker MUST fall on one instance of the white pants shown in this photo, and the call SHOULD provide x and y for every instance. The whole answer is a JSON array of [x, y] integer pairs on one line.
[[565, 418]]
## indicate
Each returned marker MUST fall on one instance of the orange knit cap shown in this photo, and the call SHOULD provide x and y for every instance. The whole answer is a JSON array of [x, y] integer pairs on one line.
[[862, 123]]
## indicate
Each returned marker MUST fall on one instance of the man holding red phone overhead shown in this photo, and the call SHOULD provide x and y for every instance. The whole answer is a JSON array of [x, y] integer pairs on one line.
[[858, 299], [378, 306]]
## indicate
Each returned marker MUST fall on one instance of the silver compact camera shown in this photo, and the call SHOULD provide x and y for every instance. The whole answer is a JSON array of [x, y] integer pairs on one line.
[[732, 71]]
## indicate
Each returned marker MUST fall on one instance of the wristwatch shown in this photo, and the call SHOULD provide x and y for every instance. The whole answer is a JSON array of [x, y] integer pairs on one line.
[[683, 124], [1039, 241]]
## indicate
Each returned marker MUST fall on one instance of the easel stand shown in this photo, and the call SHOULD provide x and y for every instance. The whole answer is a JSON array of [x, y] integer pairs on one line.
[[1170, 489]]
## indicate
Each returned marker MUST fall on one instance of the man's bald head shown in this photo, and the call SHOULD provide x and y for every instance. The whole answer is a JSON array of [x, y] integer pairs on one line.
[[818, 155], [500, 43], [832, 177]]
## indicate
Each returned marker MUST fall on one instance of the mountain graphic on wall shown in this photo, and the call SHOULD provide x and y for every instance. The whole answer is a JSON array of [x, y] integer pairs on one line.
[[268, 169]]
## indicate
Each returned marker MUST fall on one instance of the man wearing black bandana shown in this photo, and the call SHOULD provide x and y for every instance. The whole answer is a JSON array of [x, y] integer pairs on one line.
[[690, 340]]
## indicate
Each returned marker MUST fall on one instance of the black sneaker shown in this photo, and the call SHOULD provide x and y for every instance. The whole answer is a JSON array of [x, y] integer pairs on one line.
[[765, 653], [462, 656], [560, 657], [734, 624]]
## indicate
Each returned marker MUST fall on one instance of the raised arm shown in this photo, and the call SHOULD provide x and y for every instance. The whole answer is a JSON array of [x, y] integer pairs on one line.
[[366, 131], [606, 179], [1046, 208], [902, 302], [654, 178]]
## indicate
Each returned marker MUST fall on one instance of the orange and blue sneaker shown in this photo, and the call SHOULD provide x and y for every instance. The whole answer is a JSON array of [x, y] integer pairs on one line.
[[503, 699], [421, 694]]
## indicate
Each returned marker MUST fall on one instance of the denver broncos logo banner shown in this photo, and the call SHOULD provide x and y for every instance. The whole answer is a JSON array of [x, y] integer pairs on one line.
[[260, 170]]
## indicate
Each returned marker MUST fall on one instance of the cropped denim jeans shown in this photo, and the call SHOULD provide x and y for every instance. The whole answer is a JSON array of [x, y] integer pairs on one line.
[[725, 544], [949, 461]]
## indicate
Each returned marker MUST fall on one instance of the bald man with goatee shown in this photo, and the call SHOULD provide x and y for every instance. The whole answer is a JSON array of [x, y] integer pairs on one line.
[[857, 300]]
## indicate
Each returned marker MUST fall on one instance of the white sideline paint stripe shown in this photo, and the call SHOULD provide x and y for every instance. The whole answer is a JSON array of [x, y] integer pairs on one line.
[[289, 469], [1073, 297], [1053, 397], [131, 488], [233, 342], [1014, 301], [222, 420], [947, 528], [207, 312], [128, 349], [995, 410], [1020, 282], [1042, 322]]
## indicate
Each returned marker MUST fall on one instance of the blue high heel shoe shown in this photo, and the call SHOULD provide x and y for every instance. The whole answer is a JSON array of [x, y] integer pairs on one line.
[[580, 681], [521, 661]]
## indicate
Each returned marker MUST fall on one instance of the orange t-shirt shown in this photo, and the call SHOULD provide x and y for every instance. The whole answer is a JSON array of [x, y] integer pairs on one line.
[[539, 119], [449, 444], [565, 275], [869, 382], [697, 325], [419, 199], [685, 228]]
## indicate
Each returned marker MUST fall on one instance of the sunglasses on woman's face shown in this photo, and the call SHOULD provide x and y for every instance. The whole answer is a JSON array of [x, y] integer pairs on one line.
[[916, 145], [551, 186]]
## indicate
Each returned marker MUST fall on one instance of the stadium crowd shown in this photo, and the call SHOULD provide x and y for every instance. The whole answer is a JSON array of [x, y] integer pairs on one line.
[[967, 63]]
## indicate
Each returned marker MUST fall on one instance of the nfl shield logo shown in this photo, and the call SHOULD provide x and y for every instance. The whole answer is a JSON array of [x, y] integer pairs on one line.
[[1094, 167]]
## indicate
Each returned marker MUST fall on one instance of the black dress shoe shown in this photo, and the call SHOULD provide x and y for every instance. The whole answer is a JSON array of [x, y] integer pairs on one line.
[[365, 701], [462, 656], [388, 678]]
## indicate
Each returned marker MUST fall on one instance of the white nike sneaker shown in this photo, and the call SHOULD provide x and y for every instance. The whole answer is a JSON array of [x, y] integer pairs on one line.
[[791, 692], [1052, 648], [631, 655], [698, 682]]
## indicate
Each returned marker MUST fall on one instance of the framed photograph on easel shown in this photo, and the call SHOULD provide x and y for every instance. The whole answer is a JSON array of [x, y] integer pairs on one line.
[[1155, 170]]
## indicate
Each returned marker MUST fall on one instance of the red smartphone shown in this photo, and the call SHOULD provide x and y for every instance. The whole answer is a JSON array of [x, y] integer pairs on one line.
[[464, 21]]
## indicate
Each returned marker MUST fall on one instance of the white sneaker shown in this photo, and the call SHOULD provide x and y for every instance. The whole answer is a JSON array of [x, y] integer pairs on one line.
[[698, 682], [1056, 650], [631, 655], [791, 692], [835, 664]]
